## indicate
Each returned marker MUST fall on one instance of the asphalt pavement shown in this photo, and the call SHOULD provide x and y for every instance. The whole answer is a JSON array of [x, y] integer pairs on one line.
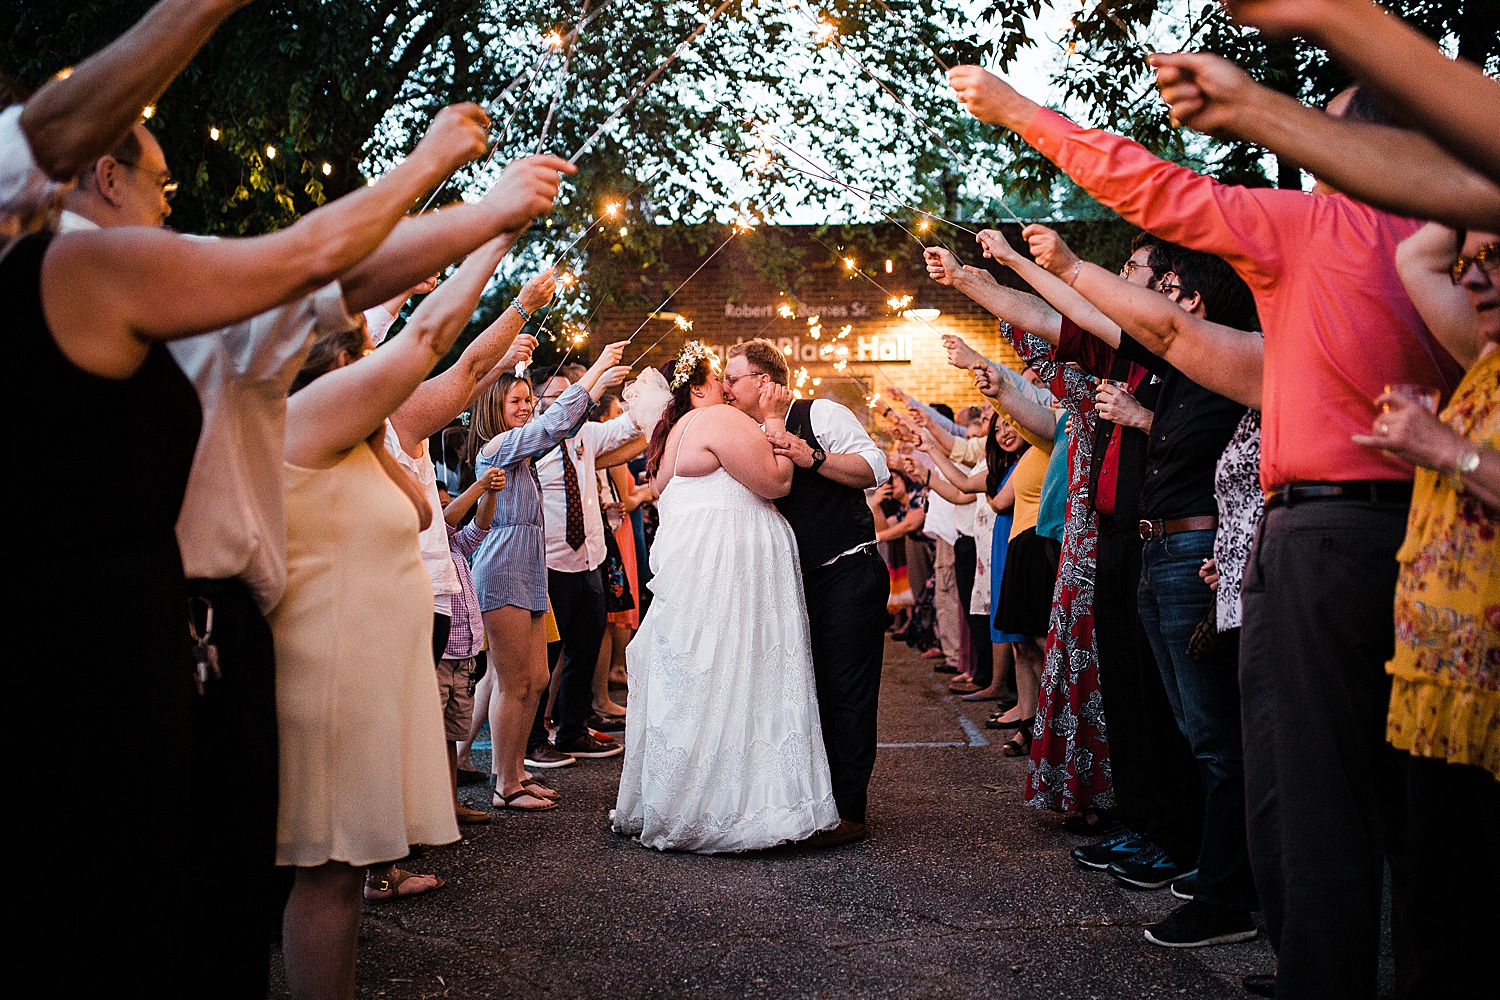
[[960, 891]]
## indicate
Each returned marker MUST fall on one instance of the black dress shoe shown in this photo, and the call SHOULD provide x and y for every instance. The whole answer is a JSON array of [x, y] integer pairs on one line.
[[944, 668], [1260, 985]]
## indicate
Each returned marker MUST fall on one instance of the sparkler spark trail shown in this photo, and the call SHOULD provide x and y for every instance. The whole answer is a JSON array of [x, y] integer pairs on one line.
[[733, 232], [641, 89], [833, 40]]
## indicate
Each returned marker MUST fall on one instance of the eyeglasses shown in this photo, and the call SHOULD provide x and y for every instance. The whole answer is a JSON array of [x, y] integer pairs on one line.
[[1168, 289], [730, 380], [163, 179], [1487, 257], [1129, 268]]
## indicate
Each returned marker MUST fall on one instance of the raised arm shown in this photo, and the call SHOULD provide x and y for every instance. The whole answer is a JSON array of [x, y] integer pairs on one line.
[[1452, 100], [1396, 169], [426, 244], [441, 398], [1244, 227], [1423, 260], [1048, 247], [1016, 308], [339, 410], [616, 458], [1217, 357], [109, 292], [1031, 418], [969, 482], [70, 123], [544, 431]]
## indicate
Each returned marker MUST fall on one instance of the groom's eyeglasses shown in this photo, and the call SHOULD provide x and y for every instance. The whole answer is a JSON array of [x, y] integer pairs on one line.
[[730, 380]]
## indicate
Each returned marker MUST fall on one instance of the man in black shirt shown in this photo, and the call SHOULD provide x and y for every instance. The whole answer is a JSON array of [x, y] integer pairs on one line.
[[1178, 519]]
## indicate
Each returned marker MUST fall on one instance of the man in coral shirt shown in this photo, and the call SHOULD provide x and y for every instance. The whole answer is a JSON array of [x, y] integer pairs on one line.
[[1319, 590]]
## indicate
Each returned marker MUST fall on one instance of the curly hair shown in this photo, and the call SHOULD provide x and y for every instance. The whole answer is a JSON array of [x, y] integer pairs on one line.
[[682, 402]]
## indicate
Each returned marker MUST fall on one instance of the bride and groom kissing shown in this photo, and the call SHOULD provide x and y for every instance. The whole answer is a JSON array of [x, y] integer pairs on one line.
[[756, 671]]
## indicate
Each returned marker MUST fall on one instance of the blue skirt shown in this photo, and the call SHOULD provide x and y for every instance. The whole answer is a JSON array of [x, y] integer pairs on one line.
[[1001, 542]]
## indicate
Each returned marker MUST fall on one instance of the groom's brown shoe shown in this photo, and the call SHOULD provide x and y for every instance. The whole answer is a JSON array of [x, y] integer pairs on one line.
[[847, 832]]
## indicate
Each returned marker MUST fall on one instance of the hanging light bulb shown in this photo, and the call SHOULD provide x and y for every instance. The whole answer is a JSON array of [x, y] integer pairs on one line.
[[270, 152], [889, 265], [327, 168], [213, 132]]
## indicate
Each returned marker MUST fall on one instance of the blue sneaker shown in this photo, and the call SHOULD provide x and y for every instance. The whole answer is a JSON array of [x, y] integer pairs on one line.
[[1122, 845], [1150, 869]]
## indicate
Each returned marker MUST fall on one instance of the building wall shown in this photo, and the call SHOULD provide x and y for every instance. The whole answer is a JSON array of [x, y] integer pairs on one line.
[[728, 301]]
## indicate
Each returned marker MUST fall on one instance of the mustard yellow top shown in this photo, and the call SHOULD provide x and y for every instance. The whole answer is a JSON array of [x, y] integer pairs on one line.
[[1445, 693], [1026, 480]]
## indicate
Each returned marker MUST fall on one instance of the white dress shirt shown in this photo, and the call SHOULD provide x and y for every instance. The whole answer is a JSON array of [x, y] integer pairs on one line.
[[592, 438], [379, 320], [23, 186], [839, 431], [233, 517], [434, 541]]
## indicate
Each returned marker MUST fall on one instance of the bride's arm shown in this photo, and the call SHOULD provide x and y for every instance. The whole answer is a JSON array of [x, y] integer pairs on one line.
[[743, 450]]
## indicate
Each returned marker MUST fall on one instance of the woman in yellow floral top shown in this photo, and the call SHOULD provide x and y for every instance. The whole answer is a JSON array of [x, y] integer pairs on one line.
[[1445, 695]]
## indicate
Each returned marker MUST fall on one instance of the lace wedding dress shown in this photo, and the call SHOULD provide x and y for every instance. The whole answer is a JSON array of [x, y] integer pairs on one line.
[[723, 749]]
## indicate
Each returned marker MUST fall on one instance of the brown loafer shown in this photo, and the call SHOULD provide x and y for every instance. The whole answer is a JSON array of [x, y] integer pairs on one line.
[[466, 815], [847, 832]]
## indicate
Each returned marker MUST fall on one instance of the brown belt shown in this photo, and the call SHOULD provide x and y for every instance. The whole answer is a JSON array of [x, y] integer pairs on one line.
[[1158, 529]]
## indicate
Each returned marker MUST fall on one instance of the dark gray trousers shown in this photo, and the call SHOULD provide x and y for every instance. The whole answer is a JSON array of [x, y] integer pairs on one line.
[[1324, 791]]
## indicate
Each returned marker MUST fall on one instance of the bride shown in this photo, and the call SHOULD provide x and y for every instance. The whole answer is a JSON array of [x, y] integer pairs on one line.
[[723, 748]]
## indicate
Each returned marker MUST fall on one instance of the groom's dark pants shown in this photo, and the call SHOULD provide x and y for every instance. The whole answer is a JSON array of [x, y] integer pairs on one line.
[[846, 612]]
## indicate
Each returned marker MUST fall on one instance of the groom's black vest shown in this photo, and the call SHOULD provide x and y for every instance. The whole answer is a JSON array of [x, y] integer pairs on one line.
[[827, 517]]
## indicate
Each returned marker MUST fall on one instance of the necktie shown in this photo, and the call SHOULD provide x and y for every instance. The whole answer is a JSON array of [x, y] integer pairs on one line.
[[574, 500]]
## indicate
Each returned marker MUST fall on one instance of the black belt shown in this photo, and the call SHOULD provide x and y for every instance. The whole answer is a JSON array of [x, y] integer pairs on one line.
[[1376, 491]]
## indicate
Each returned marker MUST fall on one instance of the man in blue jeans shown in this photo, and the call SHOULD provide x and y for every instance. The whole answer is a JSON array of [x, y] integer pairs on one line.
[[1178, 518]]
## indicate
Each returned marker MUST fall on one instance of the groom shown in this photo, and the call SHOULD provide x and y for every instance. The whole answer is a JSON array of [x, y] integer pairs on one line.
[[845, 580]]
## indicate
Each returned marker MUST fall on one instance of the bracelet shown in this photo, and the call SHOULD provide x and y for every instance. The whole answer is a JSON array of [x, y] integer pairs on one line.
[[928, 481], [516, 305], [1073, 274]]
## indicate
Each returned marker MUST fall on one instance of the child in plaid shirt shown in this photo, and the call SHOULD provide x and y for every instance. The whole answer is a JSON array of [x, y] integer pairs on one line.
[[456, 670]]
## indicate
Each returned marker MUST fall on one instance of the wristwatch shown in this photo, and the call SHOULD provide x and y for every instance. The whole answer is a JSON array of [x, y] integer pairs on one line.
[[820, 456], [1467, 463]]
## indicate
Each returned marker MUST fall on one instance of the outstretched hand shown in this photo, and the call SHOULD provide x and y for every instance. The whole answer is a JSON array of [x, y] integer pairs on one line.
[[457, 136], [989, 98], [942, 266], [996, 246], [519, 352], [537, 292], [526, 190], [1049, 250], [960, 354], [987, 380], [1207, 93]]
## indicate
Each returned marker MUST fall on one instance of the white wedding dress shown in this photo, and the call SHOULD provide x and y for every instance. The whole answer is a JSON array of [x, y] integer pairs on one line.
[[723, 748]]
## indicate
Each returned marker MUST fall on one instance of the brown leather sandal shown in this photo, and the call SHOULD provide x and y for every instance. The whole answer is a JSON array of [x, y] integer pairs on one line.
[[387, 889], [506, 800]]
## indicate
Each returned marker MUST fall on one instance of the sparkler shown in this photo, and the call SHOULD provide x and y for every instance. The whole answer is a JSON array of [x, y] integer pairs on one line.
[[641, 88], [733, 232]]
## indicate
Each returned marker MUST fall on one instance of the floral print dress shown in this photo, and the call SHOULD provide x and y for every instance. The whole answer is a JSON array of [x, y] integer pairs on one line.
[[1069, 768], [1445, 691]]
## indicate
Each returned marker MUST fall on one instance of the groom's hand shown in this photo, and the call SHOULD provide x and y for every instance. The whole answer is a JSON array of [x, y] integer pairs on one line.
[[791, 446]]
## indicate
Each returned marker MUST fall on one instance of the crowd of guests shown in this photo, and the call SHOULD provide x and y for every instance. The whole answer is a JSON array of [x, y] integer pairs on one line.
[[1225, 551], [299, 625], [1230, 541]]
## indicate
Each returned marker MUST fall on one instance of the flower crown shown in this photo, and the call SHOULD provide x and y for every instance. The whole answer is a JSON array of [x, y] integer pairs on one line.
[[687, 362]]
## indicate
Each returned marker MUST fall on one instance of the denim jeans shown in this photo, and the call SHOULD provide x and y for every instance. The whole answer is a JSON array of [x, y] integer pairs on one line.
[[1205, 699]]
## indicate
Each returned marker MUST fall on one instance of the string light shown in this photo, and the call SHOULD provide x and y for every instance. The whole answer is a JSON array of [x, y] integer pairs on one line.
[[213, 132], [889, 265], [270, 152], [148, 111], [327, 168], [624, 231]]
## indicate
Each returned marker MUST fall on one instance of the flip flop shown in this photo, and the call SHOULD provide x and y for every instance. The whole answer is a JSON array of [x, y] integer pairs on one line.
[[506, 800]]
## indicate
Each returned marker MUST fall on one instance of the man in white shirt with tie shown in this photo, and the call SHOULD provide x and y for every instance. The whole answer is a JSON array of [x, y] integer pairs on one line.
[[575, 551]]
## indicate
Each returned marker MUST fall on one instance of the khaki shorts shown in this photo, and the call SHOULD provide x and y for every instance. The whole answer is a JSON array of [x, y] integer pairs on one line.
[[456, 693]]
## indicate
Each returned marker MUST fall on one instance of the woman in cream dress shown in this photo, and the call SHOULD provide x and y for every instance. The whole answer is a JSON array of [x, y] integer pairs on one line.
[[363, 770]]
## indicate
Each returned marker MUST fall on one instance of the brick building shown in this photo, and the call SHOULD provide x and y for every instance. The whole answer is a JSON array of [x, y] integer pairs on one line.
[[843, 304]]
